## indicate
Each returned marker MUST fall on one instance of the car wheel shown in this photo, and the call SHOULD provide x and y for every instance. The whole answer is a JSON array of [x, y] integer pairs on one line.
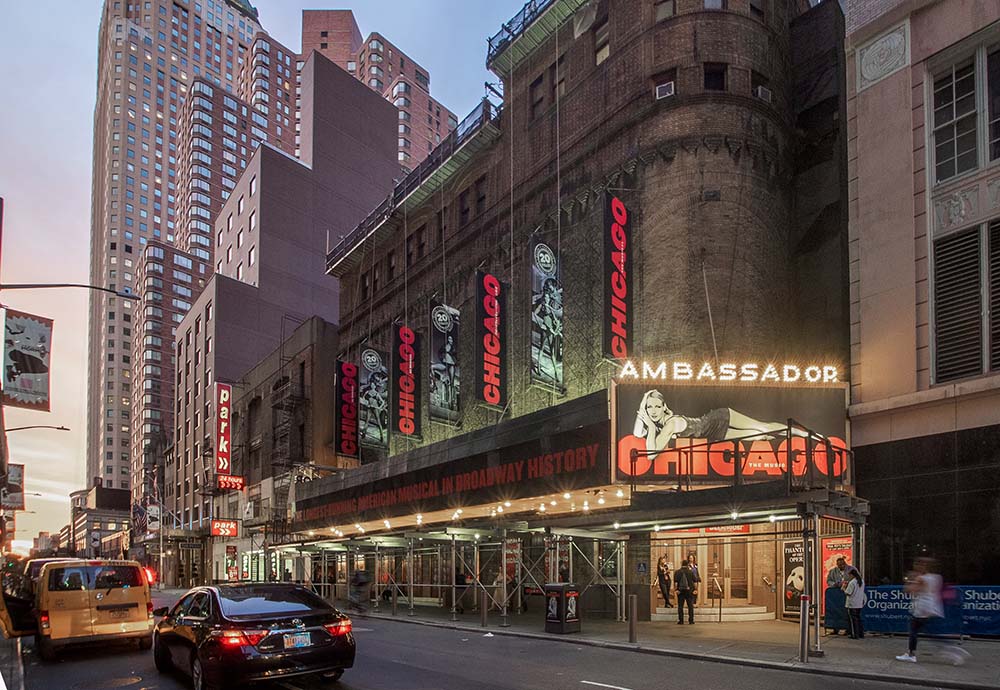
[[334, 676], [145, 642], [161, 656], [198, 681], [45, 649]]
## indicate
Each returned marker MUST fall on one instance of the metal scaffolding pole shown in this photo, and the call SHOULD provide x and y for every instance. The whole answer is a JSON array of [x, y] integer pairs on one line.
[[378, 579], [454, 617], [504, 620], [817, 590], [409, 576]]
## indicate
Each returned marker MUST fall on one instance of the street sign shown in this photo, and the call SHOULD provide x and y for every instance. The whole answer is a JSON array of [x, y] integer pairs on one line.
[[190, 545], [26, 358], [230, 482], [225, 528], [223, 433], [12, 490], [153, 518]]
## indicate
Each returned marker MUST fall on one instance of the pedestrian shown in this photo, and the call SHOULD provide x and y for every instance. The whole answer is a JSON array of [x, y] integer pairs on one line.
[[693, 562], [924, 586], [460, 586], [663, 578], [563, 571], [287, 575], [836, 578], [684, 580], [855, 591]]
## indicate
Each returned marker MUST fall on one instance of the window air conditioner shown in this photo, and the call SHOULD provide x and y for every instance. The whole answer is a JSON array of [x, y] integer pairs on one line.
[[665, 90], [763, 93]]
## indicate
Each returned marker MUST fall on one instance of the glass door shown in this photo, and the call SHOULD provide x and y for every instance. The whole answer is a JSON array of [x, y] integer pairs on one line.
[[737, 576]]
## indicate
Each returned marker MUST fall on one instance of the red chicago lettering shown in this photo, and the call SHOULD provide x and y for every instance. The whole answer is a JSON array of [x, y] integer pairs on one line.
[[619, 280], [348, 409], [406, 403], [491, 341]]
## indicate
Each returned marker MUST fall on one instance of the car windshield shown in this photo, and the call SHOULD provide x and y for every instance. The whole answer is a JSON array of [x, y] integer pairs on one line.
[[76, 577], [267, 600]]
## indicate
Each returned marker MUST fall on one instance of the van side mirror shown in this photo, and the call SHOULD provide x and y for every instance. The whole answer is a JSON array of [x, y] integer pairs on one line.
[[162, 611]]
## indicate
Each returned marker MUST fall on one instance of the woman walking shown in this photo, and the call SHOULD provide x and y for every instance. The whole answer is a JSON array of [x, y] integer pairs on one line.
[[663, 578]]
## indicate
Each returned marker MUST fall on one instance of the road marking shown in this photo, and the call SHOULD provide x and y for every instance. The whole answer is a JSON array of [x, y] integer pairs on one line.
[[603, 685]]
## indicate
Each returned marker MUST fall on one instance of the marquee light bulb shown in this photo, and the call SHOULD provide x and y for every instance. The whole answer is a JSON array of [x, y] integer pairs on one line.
[[617, 525], [499, 509], [601, 500], [734, 515], [552, 502], [507, 504], [541, 508], [773, 518], [620, 493], [566, 495]]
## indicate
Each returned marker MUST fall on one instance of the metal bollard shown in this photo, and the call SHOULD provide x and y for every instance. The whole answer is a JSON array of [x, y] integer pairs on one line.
[[633, 618], [395, 594], [483, 607], [804, 628]]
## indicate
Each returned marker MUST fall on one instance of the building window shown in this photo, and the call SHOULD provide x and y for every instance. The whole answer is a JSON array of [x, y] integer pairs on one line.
[[602, 43], [715, 76], [757, 9], [960, 349], [390, 264], [324, 34], [323, 46], [253, 186], [536, 98], [480, 196], [664, 9], [715, 4], [252, 256], [352, 66], [463, 208], [557, 79], [955, 121], [365, 286], [993, 88]]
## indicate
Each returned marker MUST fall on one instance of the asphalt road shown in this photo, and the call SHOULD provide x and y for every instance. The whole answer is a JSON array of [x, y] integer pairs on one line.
[[400, 656]]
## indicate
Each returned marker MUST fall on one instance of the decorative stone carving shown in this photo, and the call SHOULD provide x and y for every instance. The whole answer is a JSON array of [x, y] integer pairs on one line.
[[993, 191], [957, 209], [883, 56]]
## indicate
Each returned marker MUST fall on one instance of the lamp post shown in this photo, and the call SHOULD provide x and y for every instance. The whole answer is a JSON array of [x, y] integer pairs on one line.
[[38, 426]]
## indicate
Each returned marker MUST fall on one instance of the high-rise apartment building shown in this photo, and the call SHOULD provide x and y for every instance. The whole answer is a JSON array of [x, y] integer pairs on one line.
[[149, 54]]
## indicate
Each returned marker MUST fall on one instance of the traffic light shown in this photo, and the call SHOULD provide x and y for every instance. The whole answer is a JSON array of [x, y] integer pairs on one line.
[[180, 571], [194, 571]]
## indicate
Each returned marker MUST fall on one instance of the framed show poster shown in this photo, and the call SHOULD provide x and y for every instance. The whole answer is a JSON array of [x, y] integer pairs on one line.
[[793, 577]]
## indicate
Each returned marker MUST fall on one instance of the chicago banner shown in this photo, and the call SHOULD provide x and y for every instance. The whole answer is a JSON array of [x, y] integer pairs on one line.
[[26, 358], [546, 318], [445, 371], [346, 410], [618, 316], [407, 381], [373, 395], [491, 339]]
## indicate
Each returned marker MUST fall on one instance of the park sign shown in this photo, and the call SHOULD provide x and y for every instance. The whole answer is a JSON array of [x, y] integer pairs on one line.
[[225, 528], [223, 429]]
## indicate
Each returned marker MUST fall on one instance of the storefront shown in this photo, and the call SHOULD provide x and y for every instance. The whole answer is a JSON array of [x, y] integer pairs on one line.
[[749, 479]]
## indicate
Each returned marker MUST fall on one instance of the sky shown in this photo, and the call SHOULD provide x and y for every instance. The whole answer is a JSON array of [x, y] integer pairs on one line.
[[48, 71]]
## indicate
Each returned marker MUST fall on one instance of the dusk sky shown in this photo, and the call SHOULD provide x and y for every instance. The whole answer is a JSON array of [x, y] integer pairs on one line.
[[49, 64]]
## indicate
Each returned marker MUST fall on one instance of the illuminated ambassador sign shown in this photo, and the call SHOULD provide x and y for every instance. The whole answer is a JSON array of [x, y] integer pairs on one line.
[[729, 372]]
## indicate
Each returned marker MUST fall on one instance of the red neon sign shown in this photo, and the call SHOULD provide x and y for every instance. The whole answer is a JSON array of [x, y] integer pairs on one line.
[[230, 482]]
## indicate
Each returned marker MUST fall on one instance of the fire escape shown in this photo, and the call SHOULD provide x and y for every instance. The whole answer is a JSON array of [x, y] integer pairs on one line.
[[288, 414]]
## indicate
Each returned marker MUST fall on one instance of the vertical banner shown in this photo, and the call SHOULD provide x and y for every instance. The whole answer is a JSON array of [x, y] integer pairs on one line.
[[794, 574], [13, 489], [407, 381], [223, 429], [617, 274], [26, 355], [445, 372], [346, 410], [373, 397], [153, 518], [491, 339], [546, 318]]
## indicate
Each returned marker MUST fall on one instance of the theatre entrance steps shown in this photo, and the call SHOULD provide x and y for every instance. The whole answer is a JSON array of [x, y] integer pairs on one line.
[[730, 614]]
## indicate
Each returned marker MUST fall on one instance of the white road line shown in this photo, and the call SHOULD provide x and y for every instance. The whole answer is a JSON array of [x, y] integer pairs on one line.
[[603, 685]]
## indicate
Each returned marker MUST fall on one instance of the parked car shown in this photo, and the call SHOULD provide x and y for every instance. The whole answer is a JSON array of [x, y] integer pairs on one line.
[[231, 635], [91, 601]]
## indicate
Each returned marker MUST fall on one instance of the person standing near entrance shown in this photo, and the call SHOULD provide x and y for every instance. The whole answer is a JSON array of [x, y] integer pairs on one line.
[[663, 578], [692, 560], [855, 591], [924, 587], [684, 580]]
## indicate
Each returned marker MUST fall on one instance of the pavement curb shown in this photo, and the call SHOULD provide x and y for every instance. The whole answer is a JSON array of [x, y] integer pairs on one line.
[[696, 656]]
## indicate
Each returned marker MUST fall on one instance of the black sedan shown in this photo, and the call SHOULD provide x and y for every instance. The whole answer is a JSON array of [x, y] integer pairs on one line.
[[232, 635]]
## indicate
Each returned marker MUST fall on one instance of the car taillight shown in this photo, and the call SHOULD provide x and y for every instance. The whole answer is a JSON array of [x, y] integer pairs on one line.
[[240, 638], [149, 609], [43, 619], [150, 576], [339, 628]]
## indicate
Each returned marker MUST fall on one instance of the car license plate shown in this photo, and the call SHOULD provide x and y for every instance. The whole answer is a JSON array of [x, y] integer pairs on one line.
[[297, 640], [119, 613]]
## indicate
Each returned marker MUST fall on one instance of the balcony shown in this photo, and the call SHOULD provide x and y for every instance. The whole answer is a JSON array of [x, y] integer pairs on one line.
[[475, 133], [526, 31]]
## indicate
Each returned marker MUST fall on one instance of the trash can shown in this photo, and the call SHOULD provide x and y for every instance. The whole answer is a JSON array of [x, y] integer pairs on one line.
[[562, 613]]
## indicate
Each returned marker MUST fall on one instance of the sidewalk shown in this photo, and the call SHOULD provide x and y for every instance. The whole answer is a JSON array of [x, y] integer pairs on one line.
[[768, 644], [11, 666]]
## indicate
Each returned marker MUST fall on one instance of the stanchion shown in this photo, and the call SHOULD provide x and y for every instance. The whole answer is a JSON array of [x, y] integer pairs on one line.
[[395, 593], [804, 628], [484, 599], [633, 618]]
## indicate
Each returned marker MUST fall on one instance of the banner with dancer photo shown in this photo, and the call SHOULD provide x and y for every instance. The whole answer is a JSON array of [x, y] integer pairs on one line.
[[445, 371], [373, 399], [491, 339], [27, 354], [546, 318], [407, 381]]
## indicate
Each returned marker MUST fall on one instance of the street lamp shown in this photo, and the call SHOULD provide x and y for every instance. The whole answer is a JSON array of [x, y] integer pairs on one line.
[[43, 286], [38, 426]]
